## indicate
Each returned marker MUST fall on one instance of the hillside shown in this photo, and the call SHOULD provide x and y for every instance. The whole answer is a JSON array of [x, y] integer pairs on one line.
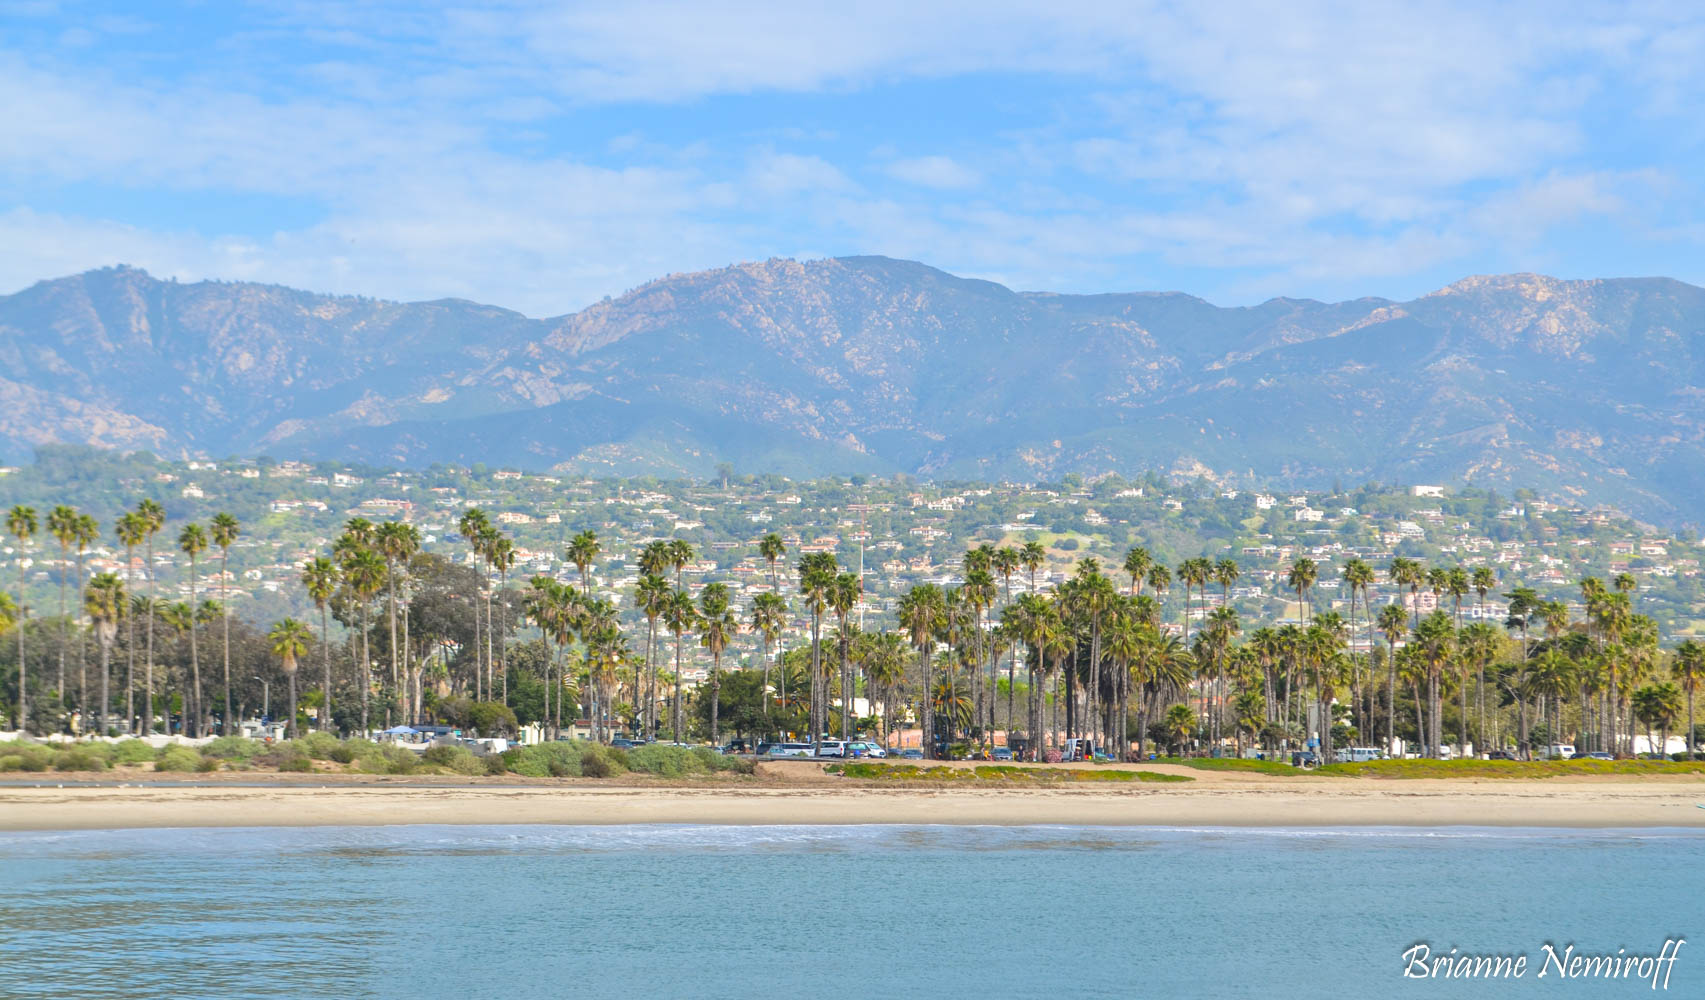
[[1585, 389]]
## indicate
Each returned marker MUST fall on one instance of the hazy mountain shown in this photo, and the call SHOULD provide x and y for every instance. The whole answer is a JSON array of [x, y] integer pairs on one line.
[[1588, 388]]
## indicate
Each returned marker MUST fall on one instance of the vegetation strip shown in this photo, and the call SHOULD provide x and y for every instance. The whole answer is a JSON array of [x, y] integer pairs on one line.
[[998, 773]]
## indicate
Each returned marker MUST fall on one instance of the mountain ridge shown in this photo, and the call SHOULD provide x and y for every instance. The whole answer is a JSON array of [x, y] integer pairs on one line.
[[1585, 388]]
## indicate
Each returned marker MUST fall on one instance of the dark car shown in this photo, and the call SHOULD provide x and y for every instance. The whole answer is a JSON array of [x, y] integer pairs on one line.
[[910, 753], [624, 743], [1504, 755]]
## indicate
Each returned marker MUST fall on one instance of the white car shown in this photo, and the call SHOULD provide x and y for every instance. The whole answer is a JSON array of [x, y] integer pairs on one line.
[[865, 748], [831, 748]]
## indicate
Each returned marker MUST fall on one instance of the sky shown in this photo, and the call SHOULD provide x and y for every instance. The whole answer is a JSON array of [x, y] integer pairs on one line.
[[543, 156]]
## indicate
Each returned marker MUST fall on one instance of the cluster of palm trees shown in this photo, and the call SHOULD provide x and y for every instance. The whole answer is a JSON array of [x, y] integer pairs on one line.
[[1092, 658], [108, 603]]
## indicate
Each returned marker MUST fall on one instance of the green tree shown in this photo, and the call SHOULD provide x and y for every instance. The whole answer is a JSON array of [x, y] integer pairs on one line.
[[153, 520], [717, 626], [192, 541], [290, 640], [320, 578], [223, 530], [21, 524]]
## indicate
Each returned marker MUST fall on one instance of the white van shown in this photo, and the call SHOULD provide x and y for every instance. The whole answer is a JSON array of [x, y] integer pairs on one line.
[[1358, 755], [1556, 751]]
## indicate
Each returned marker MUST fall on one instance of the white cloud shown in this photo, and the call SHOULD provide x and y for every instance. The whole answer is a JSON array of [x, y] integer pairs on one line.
[[934, 172]]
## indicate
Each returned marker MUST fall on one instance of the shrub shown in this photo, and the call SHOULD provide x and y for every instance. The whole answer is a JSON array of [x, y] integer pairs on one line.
[[79, 759], [667, 762], [133, 752], [177, 758], [343, 753], [383, 758], [321, 746], [207, 763], [548, 760], [29, 756], [297, 763], [233, 748], [497, 764], [456, 759], [11, 762]]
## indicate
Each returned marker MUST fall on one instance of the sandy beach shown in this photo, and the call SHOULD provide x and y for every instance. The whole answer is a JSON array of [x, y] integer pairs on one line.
[[803, 795]]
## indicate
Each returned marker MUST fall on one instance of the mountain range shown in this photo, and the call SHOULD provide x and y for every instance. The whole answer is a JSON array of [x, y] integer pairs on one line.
[[1588, 389]]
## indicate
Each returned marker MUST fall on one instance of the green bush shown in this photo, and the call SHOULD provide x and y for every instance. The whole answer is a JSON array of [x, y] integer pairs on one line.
[[547, 760], [321, 746], [667, 762], [497, 764], [207, 763], [384, 758], [233, 748], [133, 752], [177, 758], [80, 759], [11, 762], [296, 763], [29, 757], [455, 759]]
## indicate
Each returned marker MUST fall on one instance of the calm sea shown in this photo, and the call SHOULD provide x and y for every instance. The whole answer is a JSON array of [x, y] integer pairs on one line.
[[829, 912]]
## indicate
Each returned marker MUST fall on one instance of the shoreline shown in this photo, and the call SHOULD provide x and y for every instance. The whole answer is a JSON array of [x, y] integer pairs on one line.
[[1228, 802]]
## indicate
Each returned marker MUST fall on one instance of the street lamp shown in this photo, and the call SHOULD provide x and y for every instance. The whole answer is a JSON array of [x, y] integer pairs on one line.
[[265, 697]]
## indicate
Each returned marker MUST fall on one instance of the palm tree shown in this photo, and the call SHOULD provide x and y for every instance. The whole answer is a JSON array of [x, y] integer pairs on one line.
[[1407, 572], [769, 614], [180, 618], [473, 526], [1180, 723], [88, 531], [153, 519], [223, 531], [583, 551], [680, 617], [396, 543], [816, 578], [364, 571], [1435, 641], [503, 560], [320, 579], [9, 620], [1392, 622], [104, 603], [1301, 578], [1137, 563], [130, 529], [62, 525], [844, 596], [290, 640], [192, 541], [652, 595], [21, 524], [1032, 556], [922, 614], [717, 626], [680, 553], [772, 548], [1658, 705], [1688, 668]]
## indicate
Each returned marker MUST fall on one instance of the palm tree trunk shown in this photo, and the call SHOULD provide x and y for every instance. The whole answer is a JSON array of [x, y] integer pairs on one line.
[[106, 659], [64, 625], [23, 688], [326, 655], [148, 697], [225, 613], [675, 710], [715, 698], [365, 675], [194, 654], [391, 612]]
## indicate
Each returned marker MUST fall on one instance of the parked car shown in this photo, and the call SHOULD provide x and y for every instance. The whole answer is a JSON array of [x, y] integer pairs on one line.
[[910, 753], [1305, 758], [623, 742], [1500, 755], [865, 748], [1003, 753], [1594, 755], [789, 750], [831, 748]]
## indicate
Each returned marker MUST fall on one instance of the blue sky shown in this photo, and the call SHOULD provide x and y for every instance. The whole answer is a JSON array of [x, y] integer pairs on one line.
[[541, 156]]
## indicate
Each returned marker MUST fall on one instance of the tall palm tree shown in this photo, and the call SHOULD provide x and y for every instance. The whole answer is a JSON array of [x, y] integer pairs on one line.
[[396, 543], [652, 595], [503, 560], [21, 524], [364, 572], [1137, 563], [1435, 642], [62, 525], [180, 618], [130, 529], [192, 541], [9, 620], [583, 551], [680, 553], [769, 614], [772, 548], [473, 526], [922, 614], [816, 577], [320, 578], [1688, 668], [290, 640], [717, 626], [153, 519], [1406, 572], [1301, 579], [1358, 577], [88, 531], [1392, 622], [680, 617], [104, 602], [223, 530], [1032, 556]]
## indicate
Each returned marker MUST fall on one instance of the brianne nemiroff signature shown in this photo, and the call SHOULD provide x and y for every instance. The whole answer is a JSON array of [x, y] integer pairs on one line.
[[1423, 961]]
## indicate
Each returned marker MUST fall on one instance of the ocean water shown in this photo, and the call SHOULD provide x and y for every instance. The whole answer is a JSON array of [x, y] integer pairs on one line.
[[804, 913]]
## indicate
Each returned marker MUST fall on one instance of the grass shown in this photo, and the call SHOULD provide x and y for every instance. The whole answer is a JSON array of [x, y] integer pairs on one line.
[[997, 773], [1235, 764], [1510, 768]]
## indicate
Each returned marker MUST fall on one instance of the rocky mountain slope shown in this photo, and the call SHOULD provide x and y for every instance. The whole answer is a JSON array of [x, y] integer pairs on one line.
[[1582, 388]]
